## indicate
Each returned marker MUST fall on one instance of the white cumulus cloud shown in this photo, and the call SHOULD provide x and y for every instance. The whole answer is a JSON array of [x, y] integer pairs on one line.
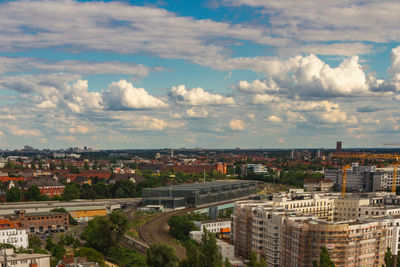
[[198, 97], [236, 125], [123, 95]]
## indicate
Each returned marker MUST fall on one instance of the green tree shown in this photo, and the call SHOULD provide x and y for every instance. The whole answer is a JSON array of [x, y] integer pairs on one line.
[[105, 232], [101, 190], [73, 169], [389, 259], [161, 255], [87, 192], [49, 244], [33, 193], [192, 254], [253, 262], [34, 241], [209, 254], [14, 194], [71, 191], [180, 227], [123, 189], [126, 257], [324, 259]]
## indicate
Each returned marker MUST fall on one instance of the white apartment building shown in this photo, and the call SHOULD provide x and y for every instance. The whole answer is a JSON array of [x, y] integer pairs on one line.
[[16, 237], [266, 234], [12, 233], [320, 205], [214, 226]]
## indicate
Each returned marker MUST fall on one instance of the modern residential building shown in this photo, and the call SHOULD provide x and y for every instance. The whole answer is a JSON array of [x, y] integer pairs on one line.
[[350, 243], [290, 229]]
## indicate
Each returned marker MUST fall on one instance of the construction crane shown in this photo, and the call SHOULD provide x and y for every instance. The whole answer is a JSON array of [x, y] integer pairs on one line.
[[394, 182], [344, 170], [363, 156]]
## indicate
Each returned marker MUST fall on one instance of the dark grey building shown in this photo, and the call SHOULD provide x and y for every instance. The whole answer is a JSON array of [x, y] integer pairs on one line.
[[190, 195]]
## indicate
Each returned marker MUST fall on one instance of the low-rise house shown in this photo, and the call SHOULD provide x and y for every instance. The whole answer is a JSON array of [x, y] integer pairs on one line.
[[9, 258]]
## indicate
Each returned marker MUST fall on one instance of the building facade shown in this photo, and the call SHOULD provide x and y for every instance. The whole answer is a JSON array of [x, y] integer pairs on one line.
[[11, 232]]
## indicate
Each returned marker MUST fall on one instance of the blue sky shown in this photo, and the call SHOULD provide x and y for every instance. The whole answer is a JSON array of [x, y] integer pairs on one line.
[[212, 74]]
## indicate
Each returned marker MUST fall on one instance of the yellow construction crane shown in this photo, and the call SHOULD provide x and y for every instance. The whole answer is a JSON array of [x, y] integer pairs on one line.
[[394, 182], [344, 170], [363, 156]]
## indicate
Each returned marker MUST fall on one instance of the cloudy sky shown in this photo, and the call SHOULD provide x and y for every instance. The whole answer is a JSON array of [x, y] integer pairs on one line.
[[212, 74]]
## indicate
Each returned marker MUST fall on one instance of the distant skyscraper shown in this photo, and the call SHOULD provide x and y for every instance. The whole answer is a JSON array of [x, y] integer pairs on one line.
[[339, 146]]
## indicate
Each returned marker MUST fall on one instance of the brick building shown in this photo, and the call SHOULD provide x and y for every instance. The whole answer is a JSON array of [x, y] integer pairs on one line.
[[47, 185], [41, 221]]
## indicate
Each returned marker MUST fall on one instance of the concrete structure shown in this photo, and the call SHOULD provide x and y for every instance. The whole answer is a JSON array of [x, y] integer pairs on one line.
[[196, 194], [10, 258]]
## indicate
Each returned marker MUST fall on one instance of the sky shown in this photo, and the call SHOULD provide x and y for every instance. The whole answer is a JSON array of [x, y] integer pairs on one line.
[[209, 74]]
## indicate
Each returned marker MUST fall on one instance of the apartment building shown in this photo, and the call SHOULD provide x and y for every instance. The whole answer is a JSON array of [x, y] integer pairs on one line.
[[266, 234], [350, 244], [320, 205], [281, 230], [12, 233], [242, 225]]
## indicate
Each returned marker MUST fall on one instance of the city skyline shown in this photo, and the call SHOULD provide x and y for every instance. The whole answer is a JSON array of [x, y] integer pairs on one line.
[[210, 74]]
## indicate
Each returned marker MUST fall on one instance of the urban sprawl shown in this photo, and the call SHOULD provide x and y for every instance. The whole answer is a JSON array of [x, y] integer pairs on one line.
[[199, 207]]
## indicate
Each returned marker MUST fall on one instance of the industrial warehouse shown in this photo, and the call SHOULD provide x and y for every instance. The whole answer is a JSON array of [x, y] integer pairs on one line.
[[190, 195]]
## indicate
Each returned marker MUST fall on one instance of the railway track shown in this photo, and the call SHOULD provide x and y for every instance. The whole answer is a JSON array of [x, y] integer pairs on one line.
[[156, 231]]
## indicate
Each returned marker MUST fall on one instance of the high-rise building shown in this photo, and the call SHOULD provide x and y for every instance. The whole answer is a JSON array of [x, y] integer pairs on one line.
[[339, 146]]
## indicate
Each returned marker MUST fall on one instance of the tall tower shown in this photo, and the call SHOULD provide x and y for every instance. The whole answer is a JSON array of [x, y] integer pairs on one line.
[[339, 146]]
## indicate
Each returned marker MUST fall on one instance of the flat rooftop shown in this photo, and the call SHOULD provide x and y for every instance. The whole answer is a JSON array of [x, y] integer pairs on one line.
[[198, 186]]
